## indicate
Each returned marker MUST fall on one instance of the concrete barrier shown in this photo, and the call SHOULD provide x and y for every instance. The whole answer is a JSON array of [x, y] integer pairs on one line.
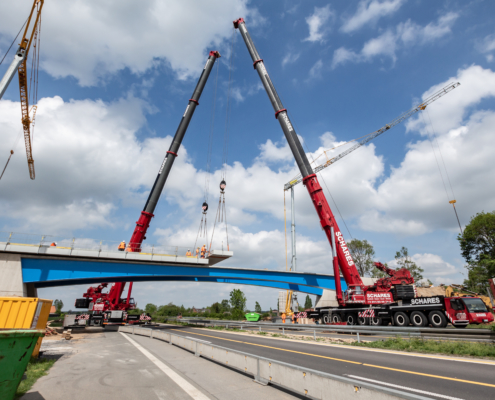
[[310, 383]]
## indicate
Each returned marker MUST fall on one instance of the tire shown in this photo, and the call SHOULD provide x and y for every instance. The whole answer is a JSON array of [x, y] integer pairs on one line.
[[418, 319], [363, 321], [336, 318], [437, 319], [326, 319], [401, 319], [351, 319], [375, 321]]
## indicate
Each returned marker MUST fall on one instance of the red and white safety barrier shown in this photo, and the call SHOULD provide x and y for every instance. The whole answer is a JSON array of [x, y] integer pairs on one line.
[[370, 313]]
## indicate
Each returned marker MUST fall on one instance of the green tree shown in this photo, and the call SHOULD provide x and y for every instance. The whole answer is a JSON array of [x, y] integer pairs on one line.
[[478, 249], [238, 303], [257, 308], [225, 305], [58, 305], [216, 308], [362, 253], [404, 261], [308, 303], [150, 308]]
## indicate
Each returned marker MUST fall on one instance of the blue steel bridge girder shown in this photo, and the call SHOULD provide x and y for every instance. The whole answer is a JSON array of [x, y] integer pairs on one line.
[[44, 272]]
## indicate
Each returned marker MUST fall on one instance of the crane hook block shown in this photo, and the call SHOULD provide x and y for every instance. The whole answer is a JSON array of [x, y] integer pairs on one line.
[[205, 206], [223, 185]]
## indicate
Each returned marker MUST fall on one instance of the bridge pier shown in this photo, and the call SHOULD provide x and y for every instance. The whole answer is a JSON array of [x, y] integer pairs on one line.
[[11, 283]]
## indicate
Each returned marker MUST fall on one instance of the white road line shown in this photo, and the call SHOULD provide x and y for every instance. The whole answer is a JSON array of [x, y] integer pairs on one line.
[[179, 380], [198, 340], [442, 396]]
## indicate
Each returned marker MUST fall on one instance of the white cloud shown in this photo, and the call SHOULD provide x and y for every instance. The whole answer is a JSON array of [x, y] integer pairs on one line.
[[87, 160], [435, 268], [315, 71], [405, 35], [318, 23], [370, 11], [412, 199], [487, 46], [113, 35], [290, 58]]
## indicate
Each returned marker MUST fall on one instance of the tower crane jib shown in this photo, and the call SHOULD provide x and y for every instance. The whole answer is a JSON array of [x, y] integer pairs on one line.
[[371, 136]]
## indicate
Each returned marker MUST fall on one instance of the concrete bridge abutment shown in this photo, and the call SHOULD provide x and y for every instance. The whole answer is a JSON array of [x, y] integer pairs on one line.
[[11, 283]]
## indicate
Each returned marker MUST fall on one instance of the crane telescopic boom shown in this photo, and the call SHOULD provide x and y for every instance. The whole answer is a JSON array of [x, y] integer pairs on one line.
[[371, 136], [144, 220], [327, 219]]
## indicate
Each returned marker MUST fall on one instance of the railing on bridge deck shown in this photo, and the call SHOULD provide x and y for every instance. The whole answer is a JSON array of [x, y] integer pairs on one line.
[[72, 243]]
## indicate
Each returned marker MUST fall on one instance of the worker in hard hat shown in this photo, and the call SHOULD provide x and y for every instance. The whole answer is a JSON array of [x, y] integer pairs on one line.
[[54, 244], [128, 248], [197, 252], [203, 251], [188, 253], [122, 246]]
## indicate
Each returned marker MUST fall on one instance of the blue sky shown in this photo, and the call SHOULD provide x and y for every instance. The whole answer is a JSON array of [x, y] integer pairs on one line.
[[114, 82]]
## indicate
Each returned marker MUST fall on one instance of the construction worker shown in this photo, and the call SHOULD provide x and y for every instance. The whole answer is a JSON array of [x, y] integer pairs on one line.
[[203, 251], [197, 252], [128, 248], [188, 253], [283, 318], [122, 246], [53, 244], [294, 318]]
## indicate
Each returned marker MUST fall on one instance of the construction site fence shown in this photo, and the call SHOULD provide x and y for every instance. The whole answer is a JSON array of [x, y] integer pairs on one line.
[[64, 242], [472, 335], [303, 381]]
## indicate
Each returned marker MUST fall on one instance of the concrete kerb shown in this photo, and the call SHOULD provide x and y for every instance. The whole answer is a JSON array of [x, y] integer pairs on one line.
[[308, 382]]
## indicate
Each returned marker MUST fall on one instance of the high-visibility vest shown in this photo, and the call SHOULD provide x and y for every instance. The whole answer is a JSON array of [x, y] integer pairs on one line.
[[188, 254], [122, 245], [203, 250], [128, 248], [53, 245]]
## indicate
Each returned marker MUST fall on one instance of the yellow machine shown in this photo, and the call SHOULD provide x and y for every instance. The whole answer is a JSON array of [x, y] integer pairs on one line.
[[457, 290]]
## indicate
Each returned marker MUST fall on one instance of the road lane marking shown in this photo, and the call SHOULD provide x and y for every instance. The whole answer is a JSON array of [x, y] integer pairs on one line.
[[442, 396], [351, 362], [179, 380], [399, 353], [431, 376]]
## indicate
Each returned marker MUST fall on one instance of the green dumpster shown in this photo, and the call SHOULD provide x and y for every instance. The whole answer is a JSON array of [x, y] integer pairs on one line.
[[16, 347], [253, 317]]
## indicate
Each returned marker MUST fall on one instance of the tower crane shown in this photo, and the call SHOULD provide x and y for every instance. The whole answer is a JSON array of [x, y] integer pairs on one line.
[[31, 34], [369, 137]]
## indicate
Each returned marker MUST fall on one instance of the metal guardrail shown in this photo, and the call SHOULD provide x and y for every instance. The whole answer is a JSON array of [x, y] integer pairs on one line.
[[483, 335], [308, 382]]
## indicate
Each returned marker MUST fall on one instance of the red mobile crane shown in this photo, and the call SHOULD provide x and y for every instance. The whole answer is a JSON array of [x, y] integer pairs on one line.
[[385, 300], [111, 305]]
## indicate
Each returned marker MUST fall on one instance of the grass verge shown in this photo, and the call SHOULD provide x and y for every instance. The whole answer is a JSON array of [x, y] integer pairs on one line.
[[416, 345], [35, 370]]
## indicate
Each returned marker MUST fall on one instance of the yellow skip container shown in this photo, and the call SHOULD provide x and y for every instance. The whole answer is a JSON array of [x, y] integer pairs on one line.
[[25, 313]]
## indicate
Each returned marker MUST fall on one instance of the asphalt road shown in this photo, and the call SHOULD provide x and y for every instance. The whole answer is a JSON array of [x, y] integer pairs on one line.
[[106, 364], [437, 376]]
